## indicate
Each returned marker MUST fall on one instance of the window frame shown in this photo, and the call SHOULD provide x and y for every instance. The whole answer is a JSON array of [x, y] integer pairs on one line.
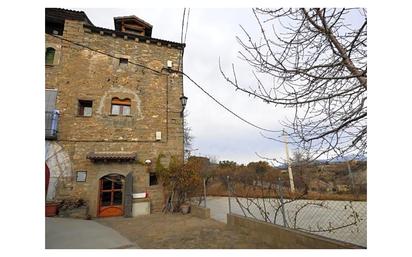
[[156, 180], [123, 62], [121, 104], [54, 56], [81, 107]]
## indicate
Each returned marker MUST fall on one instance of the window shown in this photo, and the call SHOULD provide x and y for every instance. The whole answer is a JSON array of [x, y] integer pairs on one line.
[[153, 179], [120, 106], [85, 108], [54, 28], [50, 51], [123, 62]]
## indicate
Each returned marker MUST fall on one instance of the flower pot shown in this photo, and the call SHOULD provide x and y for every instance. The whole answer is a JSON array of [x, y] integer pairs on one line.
[[51, 209], [185, 208]]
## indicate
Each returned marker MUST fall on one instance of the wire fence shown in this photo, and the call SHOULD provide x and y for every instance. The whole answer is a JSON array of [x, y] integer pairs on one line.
[[337, 211], [199, 197]]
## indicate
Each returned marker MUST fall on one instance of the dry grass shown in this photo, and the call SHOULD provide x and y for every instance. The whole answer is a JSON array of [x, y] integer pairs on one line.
[[218, 189]]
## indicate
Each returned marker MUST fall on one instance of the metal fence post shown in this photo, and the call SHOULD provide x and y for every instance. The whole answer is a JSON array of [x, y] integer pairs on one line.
[[204, 190], [228, 190], [282, 205]]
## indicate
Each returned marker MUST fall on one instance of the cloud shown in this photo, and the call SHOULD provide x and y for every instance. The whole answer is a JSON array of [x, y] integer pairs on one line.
[[212, 34]]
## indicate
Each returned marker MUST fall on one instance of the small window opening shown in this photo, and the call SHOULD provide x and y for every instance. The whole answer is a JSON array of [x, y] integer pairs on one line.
[[123, 62], [121, 106], [50, 51], [85, 108], [153, 179]]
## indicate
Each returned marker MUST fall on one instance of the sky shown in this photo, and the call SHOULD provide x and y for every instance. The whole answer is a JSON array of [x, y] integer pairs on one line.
[[211, 34], [389, 127]]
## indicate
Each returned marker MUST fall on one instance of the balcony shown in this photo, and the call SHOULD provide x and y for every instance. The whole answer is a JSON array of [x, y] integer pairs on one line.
[[52, 122]]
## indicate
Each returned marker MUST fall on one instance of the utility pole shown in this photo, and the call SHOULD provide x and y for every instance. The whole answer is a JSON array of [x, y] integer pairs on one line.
[[292, 184], [351, 176]]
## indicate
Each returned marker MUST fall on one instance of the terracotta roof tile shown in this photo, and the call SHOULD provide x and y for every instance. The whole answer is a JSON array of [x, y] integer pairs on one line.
[[126, 156]]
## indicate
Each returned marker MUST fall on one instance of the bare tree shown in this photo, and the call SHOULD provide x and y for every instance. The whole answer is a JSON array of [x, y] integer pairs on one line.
[[187, 137], [317, 60]]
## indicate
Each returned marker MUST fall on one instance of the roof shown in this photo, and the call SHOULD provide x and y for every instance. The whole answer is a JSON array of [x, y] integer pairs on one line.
[[133, 36], [133, 17], [60, 14], [111, 156]]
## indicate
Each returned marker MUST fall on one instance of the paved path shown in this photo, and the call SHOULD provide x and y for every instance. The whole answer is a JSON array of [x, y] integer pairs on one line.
[[64, 233]]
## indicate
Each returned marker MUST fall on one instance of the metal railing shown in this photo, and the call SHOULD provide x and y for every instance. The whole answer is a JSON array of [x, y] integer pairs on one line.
[[52, 122]]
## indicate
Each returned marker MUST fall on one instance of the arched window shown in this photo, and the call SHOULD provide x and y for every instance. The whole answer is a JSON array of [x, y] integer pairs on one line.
[[50, 51], [121, 106]]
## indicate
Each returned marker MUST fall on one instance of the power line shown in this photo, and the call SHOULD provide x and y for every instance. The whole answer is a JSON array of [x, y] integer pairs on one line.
[[101, 52], [175, 71], [222, 105]]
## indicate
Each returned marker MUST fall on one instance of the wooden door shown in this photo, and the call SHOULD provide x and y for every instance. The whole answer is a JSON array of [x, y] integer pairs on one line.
[[47, 177], [111, 195], [128, 196]]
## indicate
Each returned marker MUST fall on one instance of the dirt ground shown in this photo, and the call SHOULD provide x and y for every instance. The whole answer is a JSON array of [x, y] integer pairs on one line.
[[178, 231]]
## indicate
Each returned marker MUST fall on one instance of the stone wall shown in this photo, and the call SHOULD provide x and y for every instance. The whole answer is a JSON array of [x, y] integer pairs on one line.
[[82, 74], [200, 212]]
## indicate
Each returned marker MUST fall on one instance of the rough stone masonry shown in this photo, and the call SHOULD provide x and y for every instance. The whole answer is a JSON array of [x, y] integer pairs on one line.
[[95, 74]]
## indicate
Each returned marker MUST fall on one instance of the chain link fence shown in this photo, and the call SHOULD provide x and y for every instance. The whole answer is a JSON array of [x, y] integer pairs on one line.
[[337, 212]]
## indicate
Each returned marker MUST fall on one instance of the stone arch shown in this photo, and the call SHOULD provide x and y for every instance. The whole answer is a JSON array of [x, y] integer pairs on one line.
[[60, 167], [119, 91]]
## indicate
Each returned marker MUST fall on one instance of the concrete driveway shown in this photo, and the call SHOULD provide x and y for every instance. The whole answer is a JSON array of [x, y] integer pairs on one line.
[[64, 233]]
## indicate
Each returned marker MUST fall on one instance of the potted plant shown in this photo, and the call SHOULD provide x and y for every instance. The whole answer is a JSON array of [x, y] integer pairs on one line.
[[185, 208], [51, 208]]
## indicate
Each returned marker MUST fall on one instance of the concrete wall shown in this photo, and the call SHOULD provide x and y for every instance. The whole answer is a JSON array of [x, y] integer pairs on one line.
[[279, 237], [200, 212]]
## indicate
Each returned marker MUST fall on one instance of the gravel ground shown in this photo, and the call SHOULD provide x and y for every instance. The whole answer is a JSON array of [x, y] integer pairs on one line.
[[178, 231]]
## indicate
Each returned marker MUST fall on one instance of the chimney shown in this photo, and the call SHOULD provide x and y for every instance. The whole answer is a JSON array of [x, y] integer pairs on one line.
[[133, 25]]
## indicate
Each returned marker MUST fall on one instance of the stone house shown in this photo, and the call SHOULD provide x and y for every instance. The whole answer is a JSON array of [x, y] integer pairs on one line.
[[113, 107]]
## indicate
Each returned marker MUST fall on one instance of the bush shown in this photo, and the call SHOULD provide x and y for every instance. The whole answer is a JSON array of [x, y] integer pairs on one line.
[[72, 203]]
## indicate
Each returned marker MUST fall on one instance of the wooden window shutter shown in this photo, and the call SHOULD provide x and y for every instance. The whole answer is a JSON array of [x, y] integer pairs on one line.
[[51, 96], [128, 196], [118, 101]]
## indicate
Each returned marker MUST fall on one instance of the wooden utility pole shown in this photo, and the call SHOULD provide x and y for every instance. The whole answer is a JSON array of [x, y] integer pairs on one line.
[[292, 184]]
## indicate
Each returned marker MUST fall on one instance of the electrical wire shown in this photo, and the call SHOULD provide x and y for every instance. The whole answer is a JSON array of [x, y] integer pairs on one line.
[[222, 105], [101, 52], [174, 71]]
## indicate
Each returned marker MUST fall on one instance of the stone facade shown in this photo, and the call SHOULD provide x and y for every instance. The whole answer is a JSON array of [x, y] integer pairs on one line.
[[93, 73]]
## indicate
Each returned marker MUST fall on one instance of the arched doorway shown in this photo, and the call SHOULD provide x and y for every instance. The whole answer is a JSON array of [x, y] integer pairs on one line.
[[47, 177], [111, 195]]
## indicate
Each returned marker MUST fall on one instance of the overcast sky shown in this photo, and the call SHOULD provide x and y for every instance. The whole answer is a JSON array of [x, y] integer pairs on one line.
[[212, 34]]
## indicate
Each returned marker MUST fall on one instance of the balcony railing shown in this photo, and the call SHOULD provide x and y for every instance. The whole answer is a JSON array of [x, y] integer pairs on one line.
[[52, 122]]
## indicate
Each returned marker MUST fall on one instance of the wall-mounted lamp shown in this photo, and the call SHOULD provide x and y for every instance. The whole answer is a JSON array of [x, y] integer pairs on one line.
[[183, 100]]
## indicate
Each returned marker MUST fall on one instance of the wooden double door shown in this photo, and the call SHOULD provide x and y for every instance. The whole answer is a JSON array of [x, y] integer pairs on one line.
[[115, 195], [111, 195]]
